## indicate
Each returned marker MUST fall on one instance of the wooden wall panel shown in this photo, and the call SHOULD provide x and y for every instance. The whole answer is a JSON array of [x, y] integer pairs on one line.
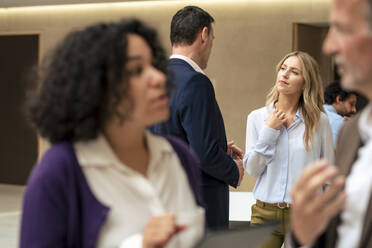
[[18, 142]]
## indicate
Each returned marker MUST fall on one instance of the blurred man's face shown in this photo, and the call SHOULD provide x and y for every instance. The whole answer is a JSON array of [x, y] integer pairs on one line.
[[350, 42], [347, 107]]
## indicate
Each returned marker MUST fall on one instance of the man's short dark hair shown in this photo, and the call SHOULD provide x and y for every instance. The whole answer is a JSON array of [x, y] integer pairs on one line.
[[187, 23], [85, 80], [333, 90]]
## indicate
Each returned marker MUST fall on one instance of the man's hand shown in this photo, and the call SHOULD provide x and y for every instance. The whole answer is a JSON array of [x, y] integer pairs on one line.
[[159, 230], [238, 158], [275, 119], [237, 151], [312, 209]]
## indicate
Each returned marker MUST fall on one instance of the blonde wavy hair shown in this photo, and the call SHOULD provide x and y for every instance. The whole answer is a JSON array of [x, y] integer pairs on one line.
[[311, 100]]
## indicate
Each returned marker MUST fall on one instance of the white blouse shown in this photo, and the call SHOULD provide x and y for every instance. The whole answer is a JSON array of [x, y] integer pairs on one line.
[[277, 157], [133, 199]]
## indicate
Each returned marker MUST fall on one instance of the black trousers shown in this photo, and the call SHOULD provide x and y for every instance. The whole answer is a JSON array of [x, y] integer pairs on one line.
[[216, 199]]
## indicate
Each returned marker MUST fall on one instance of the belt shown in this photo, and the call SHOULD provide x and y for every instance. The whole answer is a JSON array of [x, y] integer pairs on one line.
[[280, 205]]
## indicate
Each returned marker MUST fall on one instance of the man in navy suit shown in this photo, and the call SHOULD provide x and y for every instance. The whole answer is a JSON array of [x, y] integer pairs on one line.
[[195, 115]]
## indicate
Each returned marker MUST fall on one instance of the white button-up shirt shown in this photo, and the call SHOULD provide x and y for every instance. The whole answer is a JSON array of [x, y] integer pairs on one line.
[[133, 199], [277, 157], [358, 187]]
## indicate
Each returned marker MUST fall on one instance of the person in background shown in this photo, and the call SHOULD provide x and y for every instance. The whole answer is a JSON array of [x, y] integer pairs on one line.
[[339, 104], [106, 181], [342, 215], [291, 131], [195, 115]]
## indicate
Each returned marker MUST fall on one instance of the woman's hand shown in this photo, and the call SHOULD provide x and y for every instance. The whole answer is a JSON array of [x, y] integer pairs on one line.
[[275, 119], [159, 230]]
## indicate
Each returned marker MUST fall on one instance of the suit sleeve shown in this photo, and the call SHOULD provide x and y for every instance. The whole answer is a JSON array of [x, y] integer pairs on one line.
[[200, 119], [44, 213]]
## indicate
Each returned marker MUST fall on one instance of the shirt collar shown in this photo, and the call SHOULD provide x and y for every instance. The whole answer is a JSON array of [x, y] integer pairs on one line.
[[297, 116], [98, 152], [330, 108], [365, 123], [192, 63], [158, 148]]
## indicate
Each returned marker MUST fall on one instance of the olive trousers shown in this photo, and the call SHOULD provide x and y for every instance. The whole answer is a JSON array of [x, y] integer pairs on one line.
[[263, 213]]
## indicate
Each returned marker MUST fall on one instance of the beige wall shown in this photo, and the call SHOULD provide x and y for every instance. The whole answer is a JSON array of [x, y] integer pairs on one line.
[[251, 37]]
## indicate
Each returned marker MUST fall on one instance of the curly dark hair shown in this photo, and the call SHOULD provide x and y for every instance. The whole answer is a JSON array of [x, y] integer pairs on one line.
[[85, 79], [187, 23], [333, 90]]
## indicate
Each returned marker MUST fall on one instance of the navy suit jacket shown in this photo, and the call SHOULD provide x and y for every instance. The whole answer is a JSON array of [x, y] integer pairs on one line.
[[196, 119]]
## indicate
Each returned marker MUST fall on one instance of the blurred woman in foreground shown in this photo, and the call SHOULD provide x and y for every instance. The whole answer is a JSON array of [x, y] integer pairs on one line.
[[106, 181]]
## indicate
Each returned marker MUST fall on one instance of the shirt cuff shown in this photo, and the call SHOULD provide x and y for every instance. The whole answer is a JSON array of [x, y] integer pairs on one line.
[[133, 241], [268, 135]]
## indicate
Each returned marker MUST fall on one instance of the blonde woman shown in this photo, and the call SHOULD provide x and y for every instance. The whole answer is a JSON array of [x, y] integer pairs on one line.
[[291, 131]]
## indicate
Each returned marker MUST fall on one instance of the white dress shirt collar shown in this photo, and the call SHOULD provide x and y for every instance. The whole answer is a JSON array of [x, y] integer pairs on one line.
[[98, 153], [191, 62]]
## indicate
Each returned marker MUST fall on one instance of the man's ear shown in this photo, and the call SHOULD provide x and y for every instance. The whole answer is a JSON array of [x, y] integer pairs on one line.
[[204, 34], [338, 99]]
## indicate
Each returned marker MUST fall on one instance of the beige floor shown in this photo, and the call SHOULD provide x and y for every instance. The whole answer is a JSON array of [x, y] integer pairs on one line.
[[10, 209]]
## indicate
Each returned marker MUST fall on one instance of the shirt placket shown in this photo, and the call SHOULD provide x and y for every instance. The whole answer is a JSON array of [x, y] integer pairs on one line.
[[154, 202], [284, 167]]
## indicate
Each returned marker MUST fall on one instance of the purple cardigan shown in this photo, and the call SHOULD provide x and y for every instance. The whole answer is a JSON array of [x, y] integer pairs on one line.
[[60, 210]]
